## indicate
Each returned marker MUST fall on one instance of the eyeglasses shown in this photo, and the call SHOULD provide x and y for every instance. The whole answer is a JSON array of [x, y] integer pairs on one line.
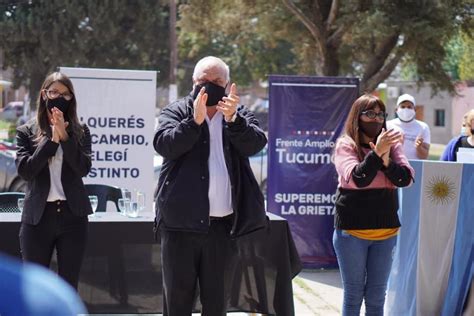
[[53, 94], [372, 114]]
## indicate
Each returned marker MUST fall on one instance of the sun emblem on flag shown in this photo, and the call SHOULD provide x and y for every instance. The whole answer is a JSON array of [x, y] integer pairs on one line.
[[440, 190]]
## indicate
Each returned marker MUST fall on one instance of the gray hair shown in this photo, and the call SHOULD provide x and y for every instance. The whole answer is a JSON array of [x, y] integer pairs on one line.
[[211, 62]]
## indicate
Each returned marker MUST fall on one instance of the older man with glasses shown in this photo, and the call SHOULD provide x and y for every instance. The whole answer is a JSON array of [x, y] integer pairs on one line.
[[207, 194]]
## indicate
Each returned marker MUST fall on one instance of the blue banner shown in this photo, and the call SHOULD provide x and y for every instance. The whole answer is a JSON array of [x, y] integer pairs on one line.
[[306, 116]]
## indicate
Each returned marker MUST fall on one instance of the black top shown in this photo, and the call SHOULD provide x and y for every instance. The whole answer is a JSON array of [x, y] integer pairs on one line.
[[465, 143], [462, 142], [366, 209]]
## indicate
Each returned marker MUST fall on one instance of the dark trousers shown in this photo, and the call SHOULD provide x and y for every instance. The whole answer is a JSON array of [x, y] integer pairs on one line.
[[59, 229], [188, 258]]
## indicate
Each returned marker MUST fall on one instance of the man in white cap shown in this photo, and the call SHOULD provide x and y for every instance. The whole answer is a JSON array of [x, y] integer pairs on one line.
[[416, 134]]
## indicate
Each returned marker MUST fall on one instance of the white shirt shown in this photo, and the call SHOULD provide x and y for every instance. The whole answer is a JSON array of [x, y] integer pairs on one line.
[[410, 131], [56, 191], [220, 194]]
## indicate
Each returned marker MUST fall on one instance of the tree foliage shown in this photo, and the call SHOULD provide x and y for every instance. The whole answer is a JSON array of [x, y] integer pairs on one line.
[[454, 53], [360, 38], [466, 63], [228, 29], [40, 35]]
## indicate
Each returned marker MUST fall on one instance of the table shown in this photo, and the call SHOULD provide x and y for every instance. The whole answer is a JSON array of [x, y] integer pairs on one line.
[[121, 272]]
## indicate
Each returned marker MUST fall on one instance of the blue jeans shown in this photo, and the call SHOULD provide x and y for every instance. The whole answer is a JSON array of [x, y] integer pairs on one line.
[[365, 267]]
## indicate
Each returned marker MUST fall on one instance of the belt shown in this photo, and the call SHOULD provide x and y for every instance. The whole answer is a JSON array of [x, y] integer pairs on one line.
[[57, 202], [223, 218]]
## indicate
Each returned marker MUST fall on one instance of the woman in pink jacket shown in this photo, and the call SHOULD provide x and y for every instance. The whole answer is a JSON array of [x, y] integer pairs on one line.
[[371, 165]]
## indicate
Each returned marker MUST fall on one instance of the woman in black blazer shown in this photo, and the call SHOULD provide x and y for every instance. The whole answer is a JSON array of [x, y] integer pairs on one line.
[[54, 153]]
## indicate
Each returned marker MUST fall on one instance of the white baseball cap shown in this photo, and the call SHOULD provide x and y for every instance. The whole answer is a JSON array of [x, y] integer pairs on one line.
[[406, 97]]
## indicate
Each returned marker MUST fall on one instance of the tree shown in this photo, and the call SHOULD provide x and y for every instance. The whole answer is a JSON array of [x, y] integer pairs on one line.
[[466, 64], [40, 35], [331, 37], [218, 28], [454, 52]]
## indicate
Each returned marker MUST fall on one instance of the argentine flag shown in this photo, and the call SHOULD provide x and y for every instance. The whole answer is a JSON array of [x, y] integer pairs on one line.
[[433, 265]]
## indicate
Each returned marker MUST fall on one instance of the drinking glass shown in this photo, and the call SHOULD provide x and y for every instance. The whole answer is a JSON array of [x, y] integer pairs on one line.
[[21, 203], [141, 200], [133, 211], [124, 206], [94, 201], [126, 195]]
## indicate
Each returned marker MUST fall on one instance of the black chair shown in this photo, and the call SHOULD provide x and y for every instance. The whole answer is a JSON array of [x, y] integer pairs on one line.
[[104, 193], [9, 202]]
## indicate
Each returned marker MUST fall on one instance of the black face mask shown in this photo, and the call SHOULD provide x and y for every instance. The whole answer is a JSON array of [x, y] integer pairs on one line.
[[214, 92], [60, 103], [371, 129]]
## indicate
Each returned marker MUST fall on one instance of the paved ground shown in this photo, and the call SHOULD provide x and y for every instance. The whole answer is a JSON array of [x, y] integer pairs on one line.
[[318, 292]]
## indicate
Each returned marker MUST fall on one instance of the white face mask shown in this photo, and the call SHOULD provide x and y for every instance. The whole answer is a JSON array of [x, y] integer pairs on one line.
[[406, 115]]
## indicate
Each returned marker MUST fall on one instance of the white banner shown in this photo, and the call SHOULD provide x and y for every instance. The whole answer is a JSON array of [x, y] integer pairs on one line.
[[119, 108]]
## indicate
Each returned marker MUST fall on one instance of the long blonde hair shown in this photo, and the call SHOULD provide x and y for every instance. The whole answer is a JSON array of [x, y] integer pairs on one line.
[[466, 122]]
